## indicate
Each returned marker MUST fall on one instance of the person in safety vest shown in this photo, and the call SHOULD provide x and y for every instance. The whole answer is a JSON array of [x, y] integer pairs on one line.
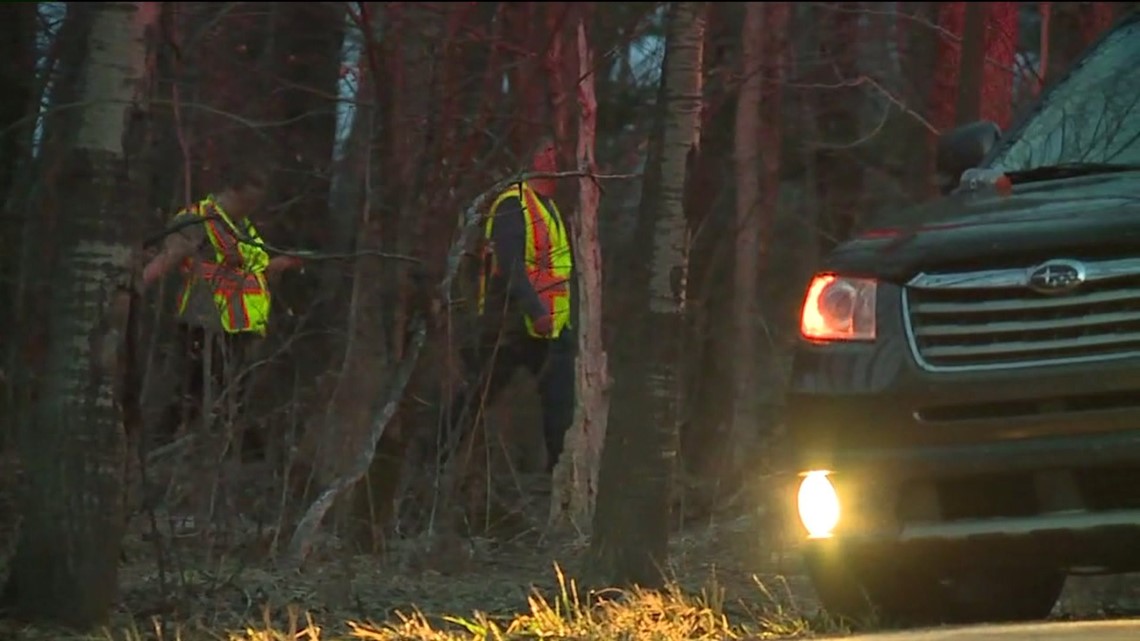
[[524, 307], [223, 300]]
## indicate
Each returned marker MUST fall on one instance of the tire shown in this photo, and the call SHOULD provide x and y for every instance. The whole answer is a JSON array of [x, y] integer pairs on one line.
[[860, 592]]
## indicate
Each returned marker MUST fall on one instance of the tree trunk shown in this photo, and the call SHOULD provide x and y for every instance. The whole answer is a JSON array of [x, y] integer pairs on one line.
[[526, 82], [1000, 49], [17, 79], [347, 189], [1067, 31], [1046, 11], [951, 18], [560, 64], [747, 231], [17, 82], [381, 303], [920, 52], [840, 172], [706, 421], [631, 523], [777, 17], [576, 476], [972, 64], [306, 57], [74, 450], [225, 54], [1095, 19]]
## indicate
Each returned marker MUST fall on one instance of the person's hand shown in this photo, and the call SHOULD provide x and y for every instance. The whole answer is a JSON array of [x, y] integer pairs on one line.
[[292, 262], [544, 325], [284, 263]]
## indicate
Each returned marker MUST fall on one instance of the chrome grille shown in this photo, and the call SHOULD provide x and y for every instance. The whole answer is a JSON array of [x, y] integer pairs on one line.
[[994, 319]]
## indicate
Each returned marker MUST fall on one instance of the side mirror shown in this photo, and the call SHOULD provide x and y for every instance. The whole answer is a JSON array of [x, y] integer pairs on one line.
[[963, 148]]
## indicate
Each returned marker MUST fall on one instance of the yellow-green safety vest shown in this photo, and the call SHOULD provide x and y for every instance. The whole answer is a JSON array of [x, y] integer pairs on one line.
[[549, 259], [236, 276]]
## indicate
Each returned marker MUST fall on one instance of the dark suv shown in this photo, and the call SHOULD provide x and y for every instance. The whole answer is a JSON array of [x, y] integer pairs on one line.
[[965, 403]]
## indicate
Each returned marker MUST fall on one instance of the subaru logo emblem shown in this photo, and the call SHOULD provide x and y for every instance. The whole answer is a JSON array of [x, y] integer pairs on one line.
[[1056, 276]]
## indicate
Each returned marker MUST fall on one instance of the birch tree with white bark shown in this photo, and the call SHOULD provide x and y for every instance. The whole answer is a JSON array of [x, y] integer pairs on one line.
[[631, 522], [72, 442]]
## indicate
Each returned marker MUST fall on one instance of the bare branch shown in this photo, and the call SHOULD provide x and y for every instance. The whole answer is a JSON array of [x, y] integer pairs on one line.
[[302, 540], [867, 80]]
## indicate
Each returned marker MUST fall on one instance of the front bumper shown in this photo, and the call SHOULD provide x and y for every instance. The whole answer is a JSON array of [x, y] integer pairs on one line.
[[980, 460], [1076, 543]]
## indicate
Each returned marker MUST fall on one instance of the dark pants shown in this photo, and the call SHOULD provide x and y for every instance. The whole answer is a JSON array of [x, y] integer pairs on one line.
[[489, 370], [183, 395]]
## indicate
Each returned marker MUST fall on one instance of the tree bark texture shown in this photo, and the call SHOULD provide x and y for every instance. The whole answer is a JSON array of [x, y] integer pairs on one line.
[[920, 52], [380, 313], [17, 82], [74, 449], [1074, 26], [576, 476], [839, 171], [1096, 17], [1000, 48], [943, 99], [1045, 9], [705, 417], [777, 16], [747, 234], [631, 521], [972, 59]]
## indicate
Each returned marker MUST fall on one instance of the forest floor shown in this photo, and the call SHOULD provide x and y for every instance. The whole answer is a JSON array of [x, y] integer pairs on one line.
[[464, 589]]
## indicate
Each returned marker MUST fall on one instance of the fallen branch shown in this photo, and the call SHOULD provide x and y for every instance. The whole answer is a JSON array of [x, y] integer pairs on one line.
[[301, 542], [159, 453]]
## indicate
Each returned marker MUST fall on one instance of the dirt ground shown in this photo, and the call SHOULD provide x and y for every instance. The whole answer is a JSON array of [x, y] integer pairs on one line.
[[458, 577], [451, 576], [725, 562]]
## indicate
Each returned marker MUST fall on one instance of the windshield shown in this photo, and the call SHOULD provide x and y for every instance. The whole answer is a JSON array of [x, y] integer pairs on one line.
[[1093, 116]]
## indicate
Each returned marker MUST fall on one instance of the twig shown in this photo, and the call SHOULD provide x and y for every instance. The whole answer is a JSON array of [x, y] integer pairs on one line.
[[302, 541], [315, 255], [867, 80], [159, 453]]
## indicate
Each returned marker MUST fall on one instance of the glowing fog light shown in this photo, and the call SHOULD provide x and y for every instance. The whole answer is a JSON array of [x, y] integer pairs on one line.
[[818, 505]]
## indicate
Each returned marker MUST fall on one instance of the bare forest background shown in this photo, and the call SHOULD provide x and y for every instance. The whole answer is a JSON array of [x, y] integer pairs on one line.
[[711, 152]]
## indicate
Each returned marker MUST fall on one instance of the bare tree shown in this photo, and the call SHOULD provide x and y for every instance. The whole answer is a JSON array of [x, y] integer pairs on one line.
[[576, 484], [18, 83], [972, 60], [951, 20], [1000, 51], [74, 446], [631, 523], [1046, 11], [747, 270]]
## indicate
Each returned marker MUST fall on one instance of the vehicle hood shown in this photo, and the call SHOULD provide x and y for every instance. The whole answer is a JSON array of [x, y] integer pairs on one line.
[[1073, 217]]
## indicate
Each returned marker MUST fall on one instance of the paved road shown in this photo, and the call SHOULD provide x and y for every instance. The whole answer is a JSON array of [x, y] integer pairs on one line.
[[1122, 630]]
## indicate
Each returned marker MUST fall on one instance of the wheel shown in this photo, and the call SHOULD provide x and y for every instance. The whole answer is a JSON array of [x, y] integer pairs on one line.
[[859, 591]]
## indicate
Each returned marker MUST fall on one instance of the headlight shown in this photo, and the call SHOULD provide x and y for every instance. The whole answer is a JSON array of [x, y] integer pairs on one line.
[[838, 308], [818, 505]]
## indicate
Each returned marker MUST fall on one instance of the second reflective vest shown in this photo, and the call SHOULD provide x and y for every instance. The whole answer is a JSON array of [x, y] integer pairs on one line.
[[236, 276], [549, 259]]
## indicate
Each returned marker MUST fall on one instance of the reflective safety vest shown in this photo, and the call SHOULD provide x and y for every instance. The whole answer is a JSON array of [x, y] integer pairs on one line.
[[549, 259], [236, 275]]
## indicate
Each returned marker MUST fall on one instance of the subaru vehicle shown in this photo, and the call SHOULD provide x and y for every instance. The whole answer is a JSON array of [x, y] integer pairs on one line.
[[964, 413]]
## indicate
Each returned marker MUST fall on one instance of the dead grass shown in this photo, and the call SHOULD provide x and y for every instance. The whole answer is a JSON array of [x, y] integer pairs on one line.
[[722, 590], [669, 615]]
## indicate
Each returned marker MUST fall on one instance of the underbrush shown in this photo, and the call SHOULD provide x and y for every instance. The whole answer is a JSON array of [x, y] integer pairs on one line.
[[612, 615]]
